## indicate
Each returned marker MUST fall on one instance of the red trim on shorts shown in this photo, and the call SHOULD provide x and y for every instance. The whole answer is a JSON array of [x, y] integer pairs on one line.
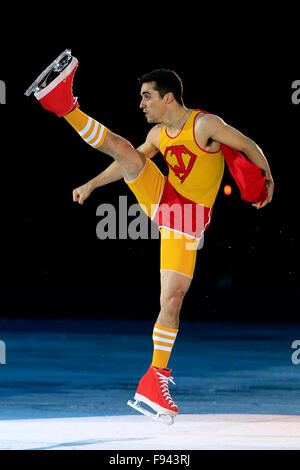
[[179, 213]]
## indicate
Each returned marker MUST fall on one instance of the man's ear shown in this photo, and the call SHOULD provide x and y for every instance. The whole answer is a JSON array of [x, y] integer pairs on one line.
[[169, 97]]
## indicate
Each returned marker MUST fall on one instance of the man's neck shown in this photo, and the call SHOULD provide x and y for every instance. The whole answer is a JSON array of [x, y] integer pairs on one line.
[[176, 117]]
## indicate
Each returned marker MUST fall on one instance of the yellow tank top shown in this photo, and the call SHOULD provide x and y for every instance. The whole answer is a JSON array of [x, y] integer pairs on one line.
[[193, 172]]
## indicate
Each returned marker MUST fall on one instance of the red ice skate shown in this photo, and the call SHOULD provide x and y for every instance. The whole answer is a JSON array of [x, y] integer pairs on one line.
[[153, 390], [54, 86]]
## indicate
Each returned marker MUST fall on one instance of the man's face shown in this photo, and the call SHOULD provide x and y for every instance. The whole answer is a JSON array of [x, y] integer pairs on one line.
[[152, 104]]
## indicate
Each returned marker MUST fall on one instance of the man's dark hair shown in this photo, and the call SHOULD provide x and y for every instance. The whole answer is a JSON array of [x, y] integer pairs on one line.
[[165, 81]]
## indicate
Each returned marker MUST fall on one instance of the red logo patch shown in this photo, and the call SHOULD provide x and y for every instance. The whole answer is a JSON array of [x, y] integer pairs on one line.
[[180, 160]]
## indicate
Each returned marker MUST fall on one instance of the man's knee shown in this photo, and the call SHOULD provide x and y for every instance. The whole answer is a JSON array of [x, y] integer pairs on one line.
[[171, 300], [130, 160], [132, 169]]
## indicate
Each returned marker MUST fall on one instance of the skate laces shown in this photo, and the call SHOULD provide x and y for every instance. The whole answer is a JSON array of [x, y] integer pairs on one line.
[[164, 385]]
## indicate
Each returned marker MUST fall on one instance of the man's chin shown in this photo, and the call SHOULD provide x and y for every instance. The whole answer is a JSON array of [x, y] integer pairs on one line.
[[151, 120]]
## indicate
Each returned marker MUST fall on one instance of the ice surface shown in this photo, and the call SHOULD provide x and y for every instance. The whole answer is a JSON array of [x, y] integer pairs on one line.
[[189, 432], [65, 385]]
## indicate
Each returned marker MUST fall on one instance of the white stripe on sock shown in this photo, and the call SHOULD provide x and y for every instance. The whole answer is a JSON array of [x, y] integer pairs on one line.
[[89, 123], [167, 333], [99, 138], [163, 348], [163, 340], [88, 139]]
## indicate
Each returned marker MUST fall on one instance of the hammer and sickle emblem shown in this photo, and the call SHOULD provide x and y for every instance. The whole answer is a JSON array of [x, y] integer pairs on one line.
[[180, 160]]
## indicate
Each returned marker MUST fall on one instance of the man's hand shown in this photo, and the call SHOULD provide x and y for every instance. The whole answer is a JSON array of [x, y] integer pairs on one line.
[[270, 190], [82, 193]]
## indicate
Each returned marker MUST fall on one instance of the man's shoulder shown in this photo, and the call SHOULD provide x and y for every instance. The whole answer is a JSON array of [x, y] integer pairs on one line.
[[205, 116], [157, 128], [206, 120], [155, 131], [154, 134]]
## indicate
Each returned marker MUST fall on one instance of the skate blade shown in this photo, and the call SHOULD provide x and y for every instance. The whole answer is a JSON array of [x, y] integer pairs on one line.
[[54, 65], [165, 419]]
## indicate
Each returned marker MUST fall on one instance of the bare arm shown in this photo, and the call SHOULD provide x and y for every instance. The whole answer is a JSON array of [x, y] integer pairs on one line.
[[219, 131]]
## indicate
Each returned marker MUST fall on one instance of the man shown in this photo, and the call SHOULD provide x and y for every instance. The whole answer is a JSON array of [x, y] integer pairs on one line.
[[191, 142]]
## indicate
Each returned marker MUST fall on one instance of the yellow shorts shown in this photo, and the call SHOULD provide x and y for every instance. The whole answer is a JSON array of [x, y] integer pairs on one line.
[[178, 251]]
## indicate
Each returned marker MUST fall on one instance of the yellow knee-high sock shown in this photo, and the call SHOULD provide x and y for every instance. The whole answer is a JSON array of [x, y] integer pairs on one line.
[[163, 341], [91, 131]]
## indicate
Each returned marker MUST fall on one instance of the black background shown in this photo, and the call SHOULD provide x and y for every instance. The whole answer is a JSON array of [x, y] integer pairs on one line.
[[53, 264]]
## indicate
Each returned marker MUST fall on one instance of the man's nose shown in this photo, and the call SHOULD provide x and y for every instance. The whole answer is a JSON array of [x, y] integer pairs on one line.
[[142, 104]]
